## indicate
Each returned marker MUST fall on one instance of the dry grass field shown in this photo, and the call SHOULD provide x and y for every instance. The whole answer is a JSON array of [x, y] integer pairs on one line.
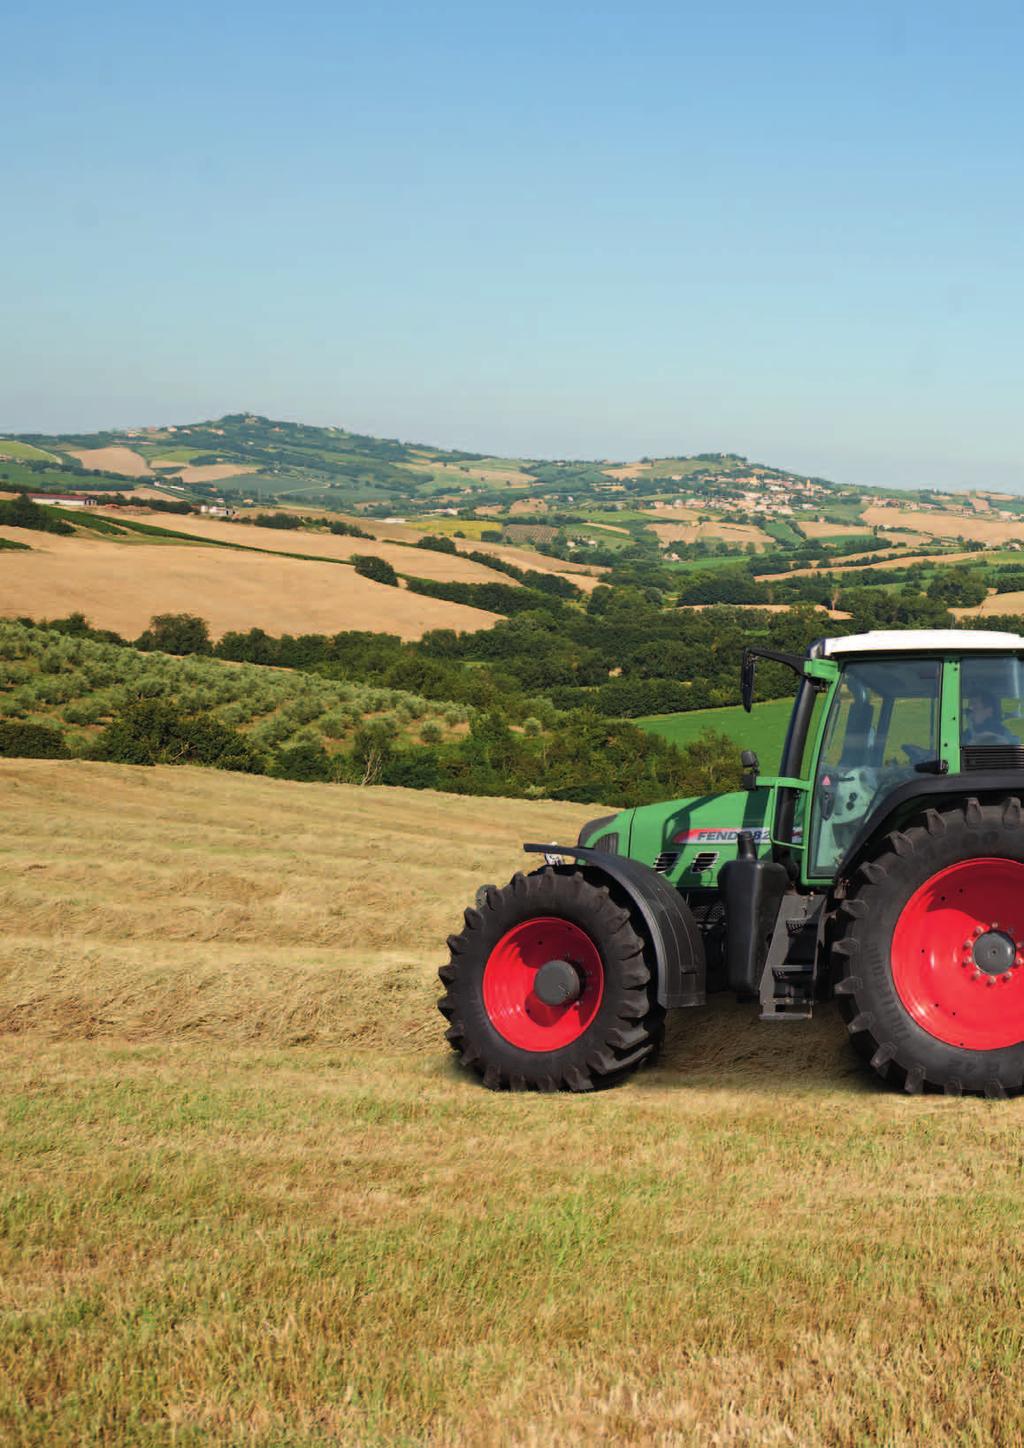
[[825, 529], [874, 560], [992, 531], [213, 472], [408, 533], [736, 533], [997, 603], [115, 459], [246, 1196], [419, 562], [122, 585]]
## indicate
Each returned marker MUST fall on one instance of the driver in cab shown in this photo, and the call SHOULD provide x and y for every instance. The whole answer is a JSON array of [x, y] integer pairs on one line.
[[983, 722]]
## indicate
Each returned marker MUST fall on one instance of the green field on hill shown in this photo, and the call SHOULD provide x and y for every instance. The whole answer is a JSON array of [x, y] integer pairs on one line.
[[10, 448], [764, 729]]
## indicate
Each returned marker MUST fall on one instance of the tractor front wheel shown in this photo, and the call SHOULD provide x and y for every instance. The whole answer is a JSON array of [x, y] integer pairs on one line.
[[547, 987], [930, 955]]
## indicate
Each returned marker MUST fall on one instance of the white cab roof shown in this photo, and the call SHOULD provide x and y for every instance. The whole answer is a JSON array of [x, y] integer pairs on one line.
[[924, 640]]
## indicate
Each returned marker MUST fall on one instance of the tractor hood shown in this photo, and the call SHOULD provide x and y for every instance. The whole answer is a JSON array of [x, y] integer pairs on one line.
[[686, 839], [708, 823]]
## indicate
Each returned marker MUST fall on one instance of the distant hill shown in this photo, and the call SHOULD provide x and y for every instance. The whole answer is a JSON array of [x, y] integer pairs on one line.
[[243, 455]]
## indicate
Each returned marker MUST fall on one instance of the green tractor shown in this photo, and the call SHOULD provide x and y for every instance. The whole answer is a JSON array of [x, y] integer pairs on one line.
[[883, 864]]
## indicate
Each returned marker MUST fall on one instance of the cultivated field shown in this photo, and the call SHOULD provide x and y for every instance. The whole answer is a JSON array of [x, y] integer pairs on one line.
[[995, 603], [412, 532], [114, 459], [121, 586], [825, 529], [874, 561], [992, 531], [246, 1195], [419, 562], [736, 533]]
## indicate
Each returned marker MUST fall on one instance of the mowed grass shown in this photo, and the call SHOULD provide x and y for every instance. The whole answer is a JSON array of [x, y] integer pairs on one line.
[[763, 729], [247, 1197]]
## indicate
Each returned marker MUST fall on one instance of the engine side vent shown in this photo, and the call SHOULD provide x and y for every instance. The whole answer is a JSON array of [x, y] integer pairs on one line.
[[666, 860], [705, 860], [607, 844], [992, 756]]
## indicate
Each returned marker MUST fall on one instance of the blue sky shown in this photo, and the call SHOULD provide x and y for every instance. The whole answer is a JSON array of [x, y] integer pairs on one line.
[[795, 232]]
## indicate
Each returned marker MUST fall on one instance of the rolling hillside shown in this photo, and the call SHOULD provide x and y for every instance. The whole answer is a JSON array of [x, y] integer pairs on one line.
[[121, 585], [247, 1196]]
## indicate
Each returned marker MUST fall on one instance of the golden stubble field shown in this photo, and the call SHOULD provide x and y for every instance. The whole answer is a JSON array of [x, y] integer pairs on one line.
[[247, 1197], [982, 529], [421, 562], [121, 585]]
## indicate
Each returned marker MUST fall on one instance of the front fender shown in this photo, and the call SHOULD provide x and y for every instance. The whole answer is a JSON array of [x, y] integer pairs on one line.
[[664, 917]]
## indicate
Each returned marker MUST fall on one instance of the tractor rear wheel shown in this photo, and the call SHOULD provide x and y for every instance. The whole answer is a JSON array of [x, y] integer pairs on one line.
[[929, 959], [547, 987]]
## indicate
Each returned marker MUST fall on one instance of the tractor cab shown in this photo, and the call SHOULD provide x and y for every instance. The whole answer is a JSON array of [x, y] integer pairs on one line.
[[876, 716], [883, 864]]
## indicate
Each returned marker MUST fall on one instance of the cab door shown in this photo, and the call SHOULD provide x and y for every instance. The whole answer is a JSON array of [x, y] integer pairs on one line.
[[883, 723]]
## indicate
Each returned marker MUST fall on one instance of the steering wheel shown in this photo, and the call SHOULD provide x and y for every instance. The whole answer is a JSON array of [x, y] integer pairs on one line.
[[989, 736], [916, 753], [846, 796]]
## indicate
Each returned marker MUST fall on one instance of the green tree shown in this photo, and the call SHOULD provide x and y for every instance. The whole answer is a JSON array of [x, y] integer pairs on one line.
[[379, 569], [176, 633]]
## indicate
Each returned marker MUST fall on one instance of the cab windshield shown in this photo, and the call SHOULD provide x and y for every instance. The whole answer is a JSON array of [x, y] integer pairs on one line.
[[883, 721]]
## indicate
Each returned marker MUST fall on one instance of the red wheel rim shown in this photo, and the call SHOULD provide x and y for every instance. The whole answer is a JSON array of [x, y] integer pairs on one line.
[[514, 1010], [947, 936]]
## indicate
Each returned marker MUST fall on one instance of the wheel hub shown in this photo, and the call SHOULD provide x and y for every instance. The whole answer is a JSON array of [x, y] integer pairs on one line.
[[994, 952], [558, 982], [543, 983], [957, 954]]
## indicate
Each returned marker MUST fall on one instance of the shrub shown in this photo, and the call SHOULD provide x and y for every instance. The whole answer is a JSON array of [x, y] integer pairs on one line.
[[83, 711], [349, 530], [153, 731], [336, 723], [305, 761], [305, 708], [377, 569], [31, 741], [431, 732], [277, 520]]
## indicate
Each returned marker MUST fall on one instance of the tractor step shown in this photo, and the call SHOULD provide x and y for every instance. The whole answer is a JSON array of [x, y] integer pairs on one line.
[[787, 981]]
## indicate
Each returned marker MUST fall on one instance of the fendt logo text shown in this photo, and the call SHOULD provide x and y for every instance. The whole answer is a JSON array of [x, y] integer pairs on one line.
[[718, 837]]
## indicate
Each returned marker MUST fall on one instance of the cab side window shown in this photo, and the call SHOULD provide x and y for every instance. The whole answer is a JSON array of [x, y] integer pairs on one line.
[[991, 711]]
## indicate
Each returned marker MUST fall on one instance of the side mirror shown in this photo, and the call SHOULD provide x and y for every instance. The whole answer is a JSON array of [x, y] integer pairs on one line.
[[747, 679]]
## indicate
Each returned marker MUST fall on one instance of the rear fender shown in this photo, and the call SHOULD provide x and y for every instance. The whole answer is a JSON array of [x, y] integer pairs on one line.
[[663, 914]]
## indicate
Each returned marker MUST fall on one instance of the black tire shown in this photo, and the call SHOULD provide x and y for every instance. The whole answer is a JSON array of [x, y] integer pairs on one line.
[[881, 1028], [628, 1025]]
